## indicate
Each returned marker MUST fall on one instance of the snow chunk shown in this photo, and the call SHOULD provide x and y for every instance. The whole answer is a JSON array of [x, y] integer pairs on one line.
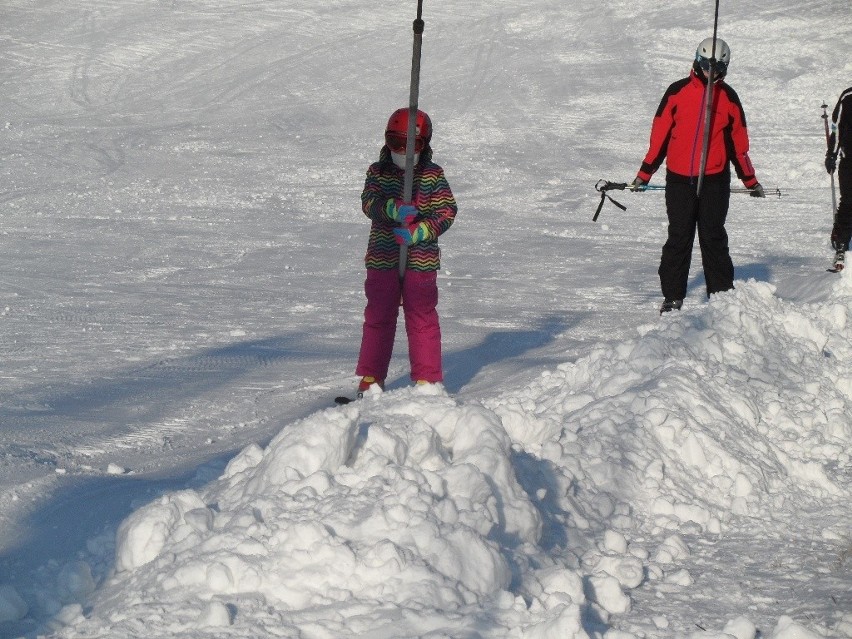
[[144, 534], [786, 628], [628, 570], [615, 542], [75, 582], [740, 628], [215, 614], [563, 621], [607, 592], [680, 577], [555, 586], [671, 550], [12, 605]]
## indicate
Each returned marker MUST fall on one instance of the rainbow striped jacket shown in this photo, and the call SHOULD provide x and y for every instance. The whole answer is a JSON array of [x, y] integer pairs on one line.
[[431, 195]]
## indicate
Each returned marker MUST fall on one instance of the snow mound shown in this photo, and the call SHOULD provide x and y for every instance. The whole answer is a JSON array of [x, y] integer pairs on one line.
[[411, 504], [726, 409], [537, 510]]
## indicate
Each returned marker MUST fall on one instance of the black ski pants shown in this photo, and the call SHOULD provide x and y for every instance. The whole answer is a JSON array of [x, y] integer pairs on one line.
[[842, 230], [707, 213]]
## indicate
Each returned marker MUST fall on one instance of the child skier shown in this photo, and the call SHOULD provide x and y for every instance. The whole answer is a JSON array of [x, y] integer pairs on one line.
[[416, 224]]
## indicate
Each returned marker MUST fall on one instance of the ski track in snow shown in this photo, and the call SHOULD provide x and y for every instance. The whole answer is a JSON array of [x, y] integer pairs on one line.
[[181, 298]]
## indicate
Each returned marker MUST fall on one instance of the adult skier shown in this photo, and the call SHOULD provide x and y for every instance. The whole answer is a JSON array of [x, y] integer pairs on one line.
[[416, 224], [676, 135], [840, 145]]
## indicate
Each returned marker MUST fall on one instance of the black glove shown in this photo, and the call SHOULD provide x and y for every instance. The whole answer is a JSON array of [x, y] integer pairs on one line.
[[638, 184], [830, 162], [757, 191]]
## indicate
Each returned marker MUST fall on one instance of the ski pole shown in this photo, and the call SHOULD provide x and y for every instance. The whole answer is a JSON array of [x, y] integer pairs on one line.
[[768, 192], [735, 189], [602, 186], [408, 184], [828, 145], [708, 105]]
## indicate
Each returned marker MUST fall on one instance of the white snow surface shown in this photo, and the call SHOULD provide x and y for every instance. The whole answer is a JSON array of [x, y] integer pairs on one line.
[[181, 275]]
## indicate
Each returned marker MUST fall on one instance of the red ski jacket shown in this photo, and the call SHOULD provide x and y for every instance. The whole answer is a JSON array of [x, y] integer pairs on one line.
[[677, 133]]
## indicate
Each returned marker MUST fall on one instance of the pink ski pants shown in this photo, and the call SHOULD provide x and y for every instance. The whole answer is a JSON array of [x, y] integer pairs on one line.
[[419, 304]]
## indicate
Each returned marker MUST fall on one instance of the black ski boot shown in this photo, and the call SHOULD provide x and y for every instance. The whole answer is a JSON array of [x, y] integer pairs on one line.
[[670, 305]]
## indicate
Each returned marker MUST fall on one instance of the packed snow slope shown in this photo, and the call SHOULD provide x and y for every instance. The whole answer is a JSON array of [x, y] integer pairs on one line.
[[181, 296]]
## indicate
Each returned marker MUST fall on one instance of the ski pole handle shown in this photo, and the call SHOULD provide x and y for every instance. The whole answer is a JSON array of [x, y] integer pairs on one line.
[[602, 186], [605, 185]]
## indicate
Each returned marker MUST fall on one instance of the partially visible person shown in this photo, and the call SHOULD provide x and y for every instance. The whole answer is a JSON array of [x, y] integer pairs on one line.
[[840, 147], [677, 137]]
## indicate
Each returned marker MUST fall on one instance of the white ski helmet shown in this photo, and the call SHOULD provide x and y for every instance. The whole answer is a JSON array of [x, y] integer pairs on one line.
[[705, 51]]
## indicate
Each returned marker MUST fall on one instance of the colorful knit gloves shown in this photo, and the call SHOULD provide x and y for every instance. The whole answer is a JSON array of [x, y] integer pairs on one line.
[[411, 234], [398, 211]]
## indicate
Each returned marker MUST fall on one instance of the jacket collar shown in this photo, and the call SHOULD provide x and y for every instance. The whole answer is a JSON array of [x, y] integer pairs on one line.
[[700, 79]]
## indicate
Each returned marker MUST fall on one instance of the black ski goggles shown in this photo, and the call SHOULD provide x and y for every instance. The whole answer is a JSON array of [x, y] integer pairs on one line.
[[396, 142], [704, 63]]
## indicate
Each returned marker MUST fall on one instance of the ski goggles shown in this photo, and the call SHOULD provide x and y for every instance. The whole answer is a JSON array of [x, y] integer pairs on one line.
[[396, 142], [704, 63]]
